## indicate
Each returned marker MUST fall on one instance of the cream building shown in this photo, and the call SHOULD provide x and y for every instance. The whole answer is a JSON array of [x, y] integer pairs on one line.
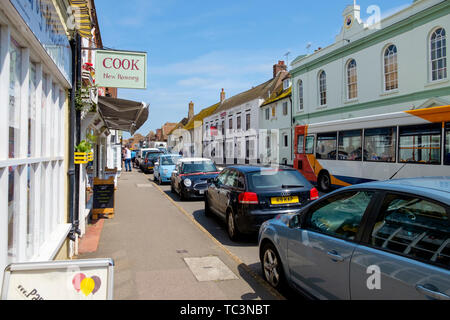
[[396, 64]]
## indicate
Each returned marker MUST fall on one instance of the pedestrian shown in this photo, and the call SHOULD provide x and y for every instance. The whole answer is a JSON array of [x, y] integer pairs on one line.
[[127, 159], [133, 158]]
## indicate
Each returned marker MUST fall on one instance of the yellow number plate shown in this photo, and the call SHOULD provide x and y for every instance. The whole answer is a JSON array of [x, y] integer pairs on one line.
[[285, 200]]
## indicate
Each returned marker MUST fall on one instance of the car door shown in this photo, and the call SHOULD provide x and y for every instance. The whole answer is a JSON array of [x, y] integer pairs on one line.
[[214, 191], [156, 168], [319, 252], [406, 252], [176, 177], [225, 191]]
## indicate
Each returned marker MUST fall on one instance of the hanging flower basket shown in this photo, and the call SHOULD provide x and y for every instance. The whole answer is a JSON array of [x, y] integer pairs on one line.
[[90, 156]]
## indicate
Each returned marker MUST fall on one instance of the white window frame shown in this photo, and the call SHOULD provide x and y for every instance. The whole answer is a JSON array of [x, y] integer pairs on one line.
[[301, 95], [349, 73], [323, 89], [430, 41], [386, 48]]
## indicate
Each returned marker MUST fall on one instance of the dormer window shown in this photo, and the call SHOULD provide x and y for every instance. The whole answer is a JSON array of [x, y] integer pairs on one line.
[[286, 84]]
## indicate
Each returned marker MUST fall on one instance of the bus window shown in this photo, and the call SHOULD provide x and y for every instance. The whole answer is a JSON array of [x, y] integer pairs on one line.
[[447, 144], [309, 148], [421, 144], [326, 146], [380, 144], [300, 144], [350, 145]]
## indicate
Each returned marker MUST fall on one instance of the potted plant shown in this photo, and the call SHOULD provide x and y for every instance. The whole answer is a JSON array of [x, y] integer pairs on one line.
[[82, 152]]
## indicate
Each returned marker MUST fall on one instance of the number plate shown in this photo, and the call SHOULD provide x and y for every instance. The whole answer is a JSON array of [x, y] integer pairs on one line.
[[201, 192], [285, 200]]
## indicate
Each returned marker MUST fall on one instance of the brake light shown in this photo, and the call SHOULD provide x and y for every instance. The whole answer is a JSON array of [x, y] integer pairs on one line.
[[248, 198], [314, 194]]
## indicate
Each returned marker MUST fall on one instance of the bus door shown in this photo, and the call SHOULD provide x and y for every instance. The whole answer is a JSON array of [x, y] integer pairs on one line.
[[304, 148]]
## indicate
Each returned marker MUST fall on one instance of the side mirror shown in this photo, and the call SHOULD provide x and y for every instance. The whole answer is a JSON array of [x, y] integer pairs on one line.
[[156, 164], [295, 222]]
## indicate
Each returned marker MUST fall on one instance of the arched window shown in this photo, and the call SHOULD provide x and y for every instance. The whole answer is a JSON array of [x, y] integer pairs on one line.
[[323, 88], [352, 80], [438, 55], [390, 68], [300, 96]]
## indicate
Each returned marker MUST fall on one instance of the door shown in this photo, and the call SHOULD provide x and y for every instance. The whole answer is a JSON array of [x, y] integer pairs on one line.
[[214, 192], [224, 193], [406, 253], [319, 253]]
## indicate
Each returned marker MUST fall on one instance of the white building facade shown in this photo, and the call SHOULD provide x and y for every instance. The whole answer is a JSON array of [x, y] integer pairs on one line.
[[35, 75], [397, 64]]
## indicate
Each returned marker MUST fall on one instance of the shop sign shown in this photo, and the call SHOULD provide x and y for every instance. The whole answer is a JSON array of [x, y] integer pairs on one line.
[[116, 69], [44, 22], [59, 280]]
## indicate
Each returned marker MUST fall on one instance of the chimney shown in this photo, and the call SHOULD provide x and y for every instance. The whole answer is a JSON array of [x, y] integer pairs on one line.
[[191, 111], [279, 67], [222, 96]]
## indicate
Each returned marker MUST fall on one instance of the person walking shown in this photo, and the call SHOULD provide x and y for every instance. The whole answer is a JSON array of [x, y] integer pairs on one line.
[[133, 158], [128, 160]]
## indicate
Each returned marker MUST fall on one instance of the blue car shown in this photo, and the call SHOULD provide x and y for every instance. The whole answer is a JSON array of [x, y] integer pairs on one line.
[[164, 167], [376, 241]]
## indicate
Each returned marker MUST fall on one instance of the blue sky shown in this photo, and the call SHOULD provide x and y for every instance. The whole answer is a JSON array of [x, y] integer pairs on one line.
[[196, 48]]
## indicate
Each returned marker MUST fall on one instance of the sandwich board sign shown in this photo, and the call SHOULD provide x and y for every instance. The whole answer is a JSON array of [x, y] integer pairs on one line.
[[59, 280]]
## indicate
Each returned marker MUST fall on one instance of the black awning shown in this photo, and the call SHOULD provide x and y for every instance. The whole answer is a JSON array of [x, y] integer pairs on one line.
[[124, 115]]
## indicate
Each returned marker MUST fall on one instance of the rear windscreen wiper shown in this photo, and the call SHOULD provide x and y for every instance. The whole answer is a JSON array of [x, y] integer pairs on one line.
[[284, 186]]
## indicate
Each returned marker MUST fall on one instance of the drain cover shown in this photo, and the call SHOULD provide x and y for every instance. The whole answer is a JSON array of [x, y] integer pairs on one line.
[[209, 269], [144, 185]]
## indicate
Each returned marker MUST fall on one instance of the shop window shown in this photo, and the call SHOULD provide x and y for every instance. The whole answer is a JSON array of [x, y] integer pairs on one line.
[[350, 145], [44, 108], [326, 146], [13, 210], [32, 110], [14, 98], [421, 144], [380, 144]]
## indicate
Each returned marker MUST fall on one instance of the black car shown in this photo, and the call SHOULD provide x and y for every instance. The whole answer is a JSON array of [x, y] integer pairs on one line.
[[247, 196], [148, 164], [190, 177]]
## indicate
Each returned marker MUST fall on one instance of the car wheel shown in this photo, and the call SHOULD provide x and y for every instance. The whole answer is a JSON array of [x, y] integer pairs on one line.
[[183, 196], [272, 266], [232, 229], [208, 212], [172, 189], [154, 178], [159, 180], [324, 182]]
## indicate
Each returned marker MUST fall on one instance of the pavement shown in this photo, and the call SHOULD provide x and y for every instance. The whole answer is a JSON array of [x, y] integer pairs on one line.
[[161, 253]]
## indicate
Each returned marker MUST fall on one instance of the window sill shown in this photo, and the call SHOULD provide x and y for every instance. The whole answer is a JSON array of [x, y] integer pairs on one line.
[[323, 107], [436, 83], [389, 93], [350, 101], [51, 247]]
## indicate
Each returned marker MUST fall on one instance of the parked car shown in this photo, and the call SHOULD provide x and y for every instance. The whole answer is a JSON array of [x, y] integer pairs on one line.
[[189, 179], [140, 156], [164, 167], [150, 158], [246, 196], [381, 240]]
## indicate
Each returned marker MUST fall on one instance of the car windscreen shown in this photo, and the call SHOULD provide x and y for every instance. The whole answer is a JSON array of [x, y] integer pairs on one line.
[[199, 167], [276, 179], [169, 161], [152, 155]]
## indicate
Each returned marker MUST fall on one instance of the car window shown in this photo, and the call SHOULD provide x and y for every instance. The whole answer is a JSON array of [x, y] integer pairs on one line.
[[240, 181], [413, 227], [340, 215], [169, 161], [275, 179], [222, 177], [231, 179], [199, 167]]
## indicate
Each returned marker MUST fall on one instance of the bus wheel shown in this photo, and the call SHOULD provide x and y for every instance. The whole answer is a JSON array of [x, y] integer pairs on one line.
[[324, 182]]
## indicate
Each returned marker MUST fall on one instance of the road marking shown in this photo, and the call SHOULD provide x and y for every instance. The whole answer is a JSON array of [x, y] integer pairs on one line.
[[210, 269], [247, 269]]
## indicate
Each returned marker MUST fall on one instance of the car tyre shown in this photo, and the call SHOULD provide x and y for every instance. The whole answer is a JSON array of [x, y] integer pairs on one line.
[[324, 182], [183, 196], [159, 180], [232, 229], [272, 267], [172, 189], [208, 212]]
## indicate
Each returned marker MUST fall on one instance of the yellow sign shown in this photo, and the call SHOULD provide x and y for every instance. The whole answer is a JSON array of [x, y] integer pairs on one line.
[[285, 200]]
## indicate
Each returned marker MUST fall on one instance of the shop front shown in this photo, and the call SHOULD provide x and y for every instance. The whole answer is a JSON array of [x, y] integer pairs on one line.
[[35, 79]]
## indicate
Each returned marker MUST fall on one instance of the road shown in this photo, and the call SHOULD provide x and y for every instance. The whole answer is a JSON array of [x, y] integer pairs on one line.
[[246, 249]]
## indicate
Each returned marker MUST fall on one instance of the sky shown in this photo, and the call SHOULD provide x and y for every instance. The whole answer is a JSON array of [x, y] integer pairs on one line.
[[197, 47]]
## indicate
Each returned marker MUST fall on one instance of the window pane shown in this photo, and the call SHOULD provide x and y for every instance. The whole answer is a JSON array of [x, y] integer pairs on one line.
[[350, 145], [413, 227], [421, 144], [300, 144], [326, 146], [380, 144], [32, 110], [438, 55], [447, 144], [340, 215], [273, 179], [309, 148], [300, 94], [14, 98], [44, 114], [31, 211], [13, 202]]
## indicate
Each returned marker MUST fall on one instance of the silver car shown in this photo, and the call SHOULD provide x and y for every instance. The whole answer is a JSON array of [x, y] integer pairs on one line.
[[376, 241]]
